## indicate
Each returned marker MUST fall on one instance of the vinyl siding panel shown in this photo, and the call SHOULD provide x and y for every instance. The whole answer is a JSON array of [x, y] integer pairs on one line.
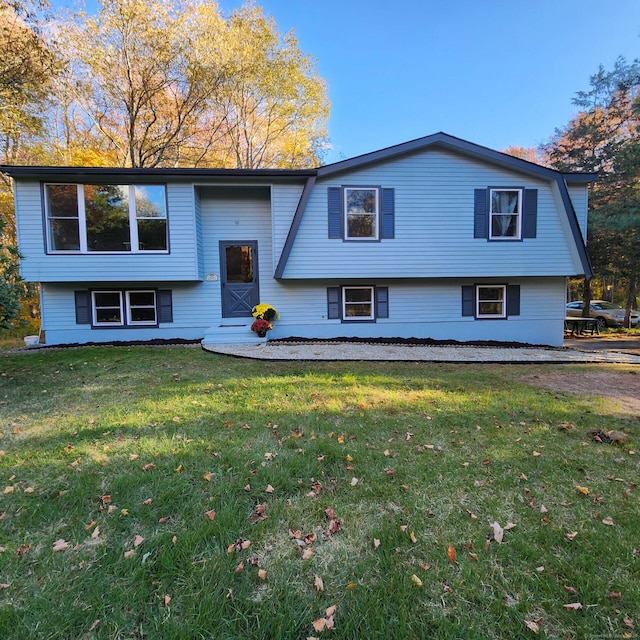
[[284, 200], [181, 263], [425, 308], [579, 197], [434, 226]]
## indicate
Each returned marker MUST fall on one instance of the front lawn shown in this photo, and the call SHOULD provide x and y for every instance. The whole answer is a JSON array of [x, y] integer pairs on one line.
[[164, 493]]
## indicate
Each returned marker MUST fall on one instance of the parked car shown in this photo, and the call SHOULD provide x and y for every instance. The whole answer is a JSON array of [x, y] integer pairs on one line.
[[606, 313]]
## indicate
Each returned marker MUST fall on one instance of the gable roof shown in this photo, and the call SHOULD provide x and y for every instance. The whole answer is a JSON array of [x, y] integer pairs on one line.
[[445, 141]]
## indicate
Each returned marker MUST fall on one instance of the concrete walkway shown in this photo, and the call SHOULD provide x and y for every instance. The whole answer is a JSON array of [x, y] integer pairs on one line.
[[411, 353]]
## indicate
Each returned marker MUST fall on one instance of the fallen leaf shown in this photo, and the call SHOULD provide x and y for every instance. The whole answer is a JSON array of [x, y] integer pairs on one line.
[[137, 541], [94, 625], [148, 467], [4, 585], [147, 502], [376, 543], [307, 554], [133, 456], [570, 589], [451, 553], [262, 574], [211, 514], [129, 554], [354, 482], [498, 532], [608, 521], [412, 535], [207, 476], [416, 580], [570, 536], [269, 489], [166, 599], [543, 509], [575, 606], [239, 568], [614, 594], [163, 520], [473, 516], [319, 625], [318, 583], [536, 454], [629, 622], [95, 533], [424, 566], [9, 489], [22, 549], [60, 545], [582, 490], [533, 626], [29, 490]]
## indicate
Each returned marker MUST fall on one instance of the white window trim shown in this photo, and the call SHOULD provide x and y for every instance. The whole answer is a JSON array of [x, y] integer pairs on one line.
[[375, 215], [94, 309], [518, 235], [82, 223], [153, 306], [479, 300], [348, 318]]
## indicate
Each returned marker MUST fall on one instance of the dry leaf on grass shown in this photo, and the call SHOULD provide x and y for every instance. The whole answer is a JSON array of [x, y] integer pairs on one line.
[[451, 553], [574, 606], [211, 514], [60, 545], [416, 580], [137, 541], [318, 583], [532, 625]]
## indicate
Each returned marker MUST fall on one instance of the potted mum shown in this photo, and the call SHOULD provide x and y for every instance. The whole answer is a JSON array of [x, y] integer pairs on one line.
[[264, 314]]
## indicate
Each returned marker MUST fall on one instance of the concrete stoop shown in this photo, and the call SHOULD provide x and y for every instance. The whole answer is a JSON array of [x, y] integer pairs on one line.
[[232, 332]]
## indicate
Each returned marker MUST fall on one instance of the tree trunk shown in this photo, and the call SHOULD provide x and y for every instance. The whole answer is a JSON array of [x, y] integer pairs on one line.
[[586, 298], [631, 296]]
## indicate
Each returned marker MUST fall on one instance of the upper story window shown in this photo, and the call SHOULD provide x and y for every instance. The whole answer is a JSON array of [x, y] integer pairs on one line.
[[113, 218], [361, 214], [505, 211]]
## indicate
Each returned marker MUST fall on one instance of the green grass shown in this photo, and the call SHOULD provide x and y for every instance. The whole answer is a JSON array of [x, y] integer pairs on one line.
[[440, 452]]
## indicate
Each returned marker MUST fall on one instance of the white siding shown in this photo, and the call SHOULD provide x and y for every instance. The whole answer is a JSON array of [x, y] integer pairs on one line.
[[434, 205], [579, 197]]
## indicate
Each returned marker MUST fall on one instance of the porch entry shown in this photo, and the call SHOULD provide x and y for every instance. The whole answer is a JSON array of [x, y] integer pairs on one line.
[[239, 278]]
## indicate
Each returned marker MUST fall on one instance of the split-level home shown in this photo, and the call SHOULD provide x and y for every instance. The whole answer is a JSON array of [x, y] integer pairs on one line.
[[434, 238]]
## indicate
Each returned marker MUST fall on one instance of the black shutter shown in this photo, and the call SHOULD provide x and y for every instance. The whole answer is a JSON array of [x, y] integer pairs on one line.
[[165, 305], [334, 202], [382, 302], [480, 214], [83, 307], [513, 300], [530, 213], [333, 303], [388, 214], [468, 300]]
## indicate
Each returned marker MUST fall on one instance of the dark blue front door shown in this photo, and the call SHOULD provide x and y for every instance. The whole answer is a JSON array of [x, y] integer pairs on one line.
[[239, 278]]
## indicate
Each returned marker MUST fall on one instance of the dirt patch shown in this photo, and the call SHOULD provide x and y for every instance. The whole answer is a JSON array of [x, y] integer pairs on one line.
[[623, 386]]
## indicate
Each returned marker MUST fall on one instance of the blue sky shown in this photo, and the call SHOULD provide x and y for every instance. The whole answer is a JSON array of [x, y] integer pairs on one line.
[[494, 72]]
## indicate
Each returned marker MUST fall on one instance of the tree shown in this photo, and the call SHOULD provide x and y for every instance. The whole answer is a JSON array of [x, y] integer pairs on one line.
[[27, 67], [604, 137], [172, 83]]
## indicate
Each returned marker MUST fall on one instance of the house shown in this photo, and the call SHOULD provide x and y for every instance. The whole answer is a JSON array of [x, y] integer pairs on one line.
[[434, 238]]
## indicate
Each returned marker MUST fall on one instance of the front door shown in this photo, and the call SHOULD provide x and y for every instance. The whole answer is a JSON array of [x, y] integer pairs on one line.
[[239, 278]]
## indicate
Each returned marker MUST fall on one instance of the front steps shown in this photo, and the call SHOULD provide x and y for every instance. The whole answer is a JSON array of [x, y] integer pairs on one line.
[[232, 332]]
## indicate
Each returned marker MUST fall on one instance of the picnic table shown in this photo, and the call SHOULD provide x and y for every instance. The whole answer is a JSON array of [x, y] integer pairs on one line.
[[575, 325]]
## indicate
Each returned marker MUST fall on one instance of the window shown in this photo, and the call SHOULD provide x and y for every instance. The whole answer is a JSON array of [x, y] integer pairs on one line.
[[107, 308], [141, 307], [124, 308], [361, 214], [491, 301], [120, 218], [504, 213], [355, 303]]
